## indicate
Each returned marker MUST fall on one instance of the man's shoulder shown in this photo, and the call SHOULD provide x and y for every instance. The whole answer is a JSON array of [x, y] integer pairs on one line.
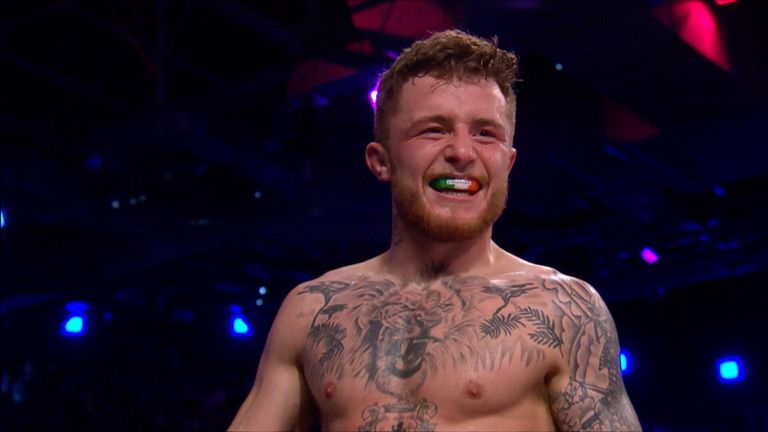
[[350, 272], [513, 267], [332, 281]]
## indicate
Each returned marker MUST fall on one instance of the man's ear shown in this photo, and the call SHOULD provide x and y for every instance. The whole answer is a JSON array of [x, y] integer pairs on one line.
[[512, 156], [377, 159]]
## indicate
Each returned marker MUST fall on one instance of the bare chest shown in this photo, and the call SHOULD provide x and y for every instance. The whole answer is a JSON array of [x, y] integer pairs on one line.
[[461, 347]]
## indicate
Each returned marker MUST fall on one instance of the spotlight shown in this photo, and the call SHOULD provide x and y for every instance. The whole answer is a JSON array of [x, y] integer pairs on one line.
[[559, 66], [238, 325], [730, 369], [2, 219], [75, 324], [115, 204], [624, 362], [649, 255], [259, 302], [373, 95], [263, 290]]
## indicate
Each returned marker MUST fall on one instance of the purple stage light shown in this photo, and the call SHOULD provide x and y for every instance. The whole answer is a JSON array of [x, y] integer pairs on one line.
[[373, 94], [649, 255]]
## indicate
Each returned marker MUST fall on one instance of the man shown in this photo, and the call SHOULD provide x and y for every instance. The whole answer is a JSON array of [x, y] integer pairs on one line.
[[445, 330]]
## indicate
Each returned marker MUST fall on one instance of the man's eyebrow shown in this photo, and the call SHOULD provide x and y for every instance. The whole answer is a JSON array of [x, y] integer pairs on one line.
[[489, 122], [437, 118]]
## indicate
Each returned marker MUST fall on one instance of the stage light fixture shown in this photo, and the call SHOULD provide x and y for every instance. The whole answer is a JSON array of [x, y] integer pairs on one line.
[[559, 66], [239, 326], [2, 219], [263, 290], [75, 324], [115, 204], [649, 255], [259, 302], [730, 369]]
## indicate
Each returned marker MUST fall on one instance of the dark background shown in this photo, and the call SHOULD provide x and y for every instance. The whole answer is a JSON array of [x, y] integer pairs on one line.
[[162, 160]]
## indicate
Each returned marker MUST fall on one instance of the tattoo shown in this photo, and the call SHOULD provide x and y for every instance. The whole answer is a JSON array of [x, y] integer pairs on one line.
[[594, 396], [402, 415], [393, 336]]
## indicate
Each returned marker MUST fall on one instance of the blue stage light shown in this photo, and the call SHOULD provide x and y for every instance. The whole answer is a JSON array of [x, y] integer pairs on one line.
[[238, 324], [259, 302], [75, 324], [730, 369], [263, 290], [2, 219], [624, 361]]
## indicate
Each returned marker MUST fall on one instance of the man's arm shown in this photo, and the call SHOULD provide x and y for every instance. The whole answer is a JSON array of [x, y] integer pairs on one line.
[[589, 392], [279, 399]]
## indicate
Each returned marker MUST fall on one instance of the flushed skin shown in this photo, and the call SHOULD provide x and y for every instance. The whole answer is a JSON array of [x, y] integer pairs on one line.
[[445, 330]]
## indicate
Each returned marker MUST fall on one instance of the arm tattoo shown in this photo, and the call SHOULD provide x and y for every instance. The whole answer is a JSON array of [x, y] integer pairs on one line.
[[594, 398]]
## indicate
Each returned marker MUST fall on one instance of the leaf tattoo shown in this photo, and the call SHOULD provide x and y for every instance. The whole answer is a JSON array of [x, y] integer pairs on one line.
[[330, 335], [545, 330], [498, 324]]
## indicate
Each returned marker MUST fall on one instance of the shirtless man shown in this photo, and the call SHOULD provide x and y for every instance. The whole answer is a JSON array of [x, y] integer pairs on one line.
[[445, 330]]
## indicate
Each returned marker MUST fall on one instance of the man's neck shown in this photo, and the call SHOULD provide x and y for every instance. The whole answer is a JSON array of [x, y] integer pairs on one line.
[[415, 256]]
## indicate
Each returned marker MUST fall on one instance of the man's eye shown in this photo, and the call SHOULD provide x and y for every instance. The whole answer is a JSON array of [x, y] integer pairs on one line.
[[486, 133], [432, 130]]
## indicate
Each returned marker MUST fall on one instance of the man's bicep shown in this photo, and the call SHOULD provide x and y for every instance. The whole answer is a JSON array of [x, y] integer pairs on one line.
[[589, 394], [279, 398]]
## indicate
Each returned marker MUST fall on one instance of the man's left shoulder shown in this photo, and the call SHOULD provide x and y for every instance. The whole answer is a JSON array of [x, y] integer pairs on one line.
[[561, 285]]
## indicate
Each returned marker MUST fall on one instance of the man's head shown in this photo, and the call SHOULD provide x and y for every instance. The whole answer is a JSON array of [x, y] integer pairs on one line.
[[446, 56], [444, 122]]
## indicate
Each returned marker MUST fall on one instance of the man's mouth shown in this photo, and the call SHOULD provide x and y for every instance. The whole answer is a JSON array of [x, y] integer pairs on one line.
[[410, 358], [456, 185]]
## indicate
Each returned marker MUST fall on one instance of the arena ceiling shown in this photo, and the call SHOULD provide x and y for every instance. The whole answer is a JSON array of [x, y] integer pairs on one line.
[[183, 152]]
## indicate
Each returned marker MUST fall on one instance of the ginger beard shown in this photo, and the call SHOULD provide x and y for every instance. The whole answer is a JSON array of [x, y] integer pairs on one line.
[[413, 211]]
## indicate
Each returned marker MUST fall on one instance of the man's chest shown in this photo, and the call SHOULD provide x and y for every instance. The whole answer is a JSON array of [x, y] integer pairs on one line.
[[456, 338]]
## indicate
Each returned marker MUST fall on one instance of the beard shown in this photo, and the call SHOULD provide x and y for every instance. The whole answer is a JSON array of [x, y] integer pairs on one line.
[[413, 211]]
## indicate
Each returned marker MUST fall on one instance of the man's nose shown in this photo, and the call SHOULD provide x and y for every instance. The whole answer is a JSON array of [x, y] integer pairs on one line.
[[460, 150]]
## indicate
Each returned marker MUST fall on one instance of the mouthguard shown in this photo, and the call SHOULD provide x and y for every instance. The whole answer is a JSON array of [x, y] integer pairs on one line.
[[443, 183]]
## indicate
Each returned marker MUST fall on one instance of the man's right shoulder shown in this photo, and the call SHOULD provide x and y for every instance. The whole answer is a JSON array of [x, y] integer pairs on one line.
[[312, 293]]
